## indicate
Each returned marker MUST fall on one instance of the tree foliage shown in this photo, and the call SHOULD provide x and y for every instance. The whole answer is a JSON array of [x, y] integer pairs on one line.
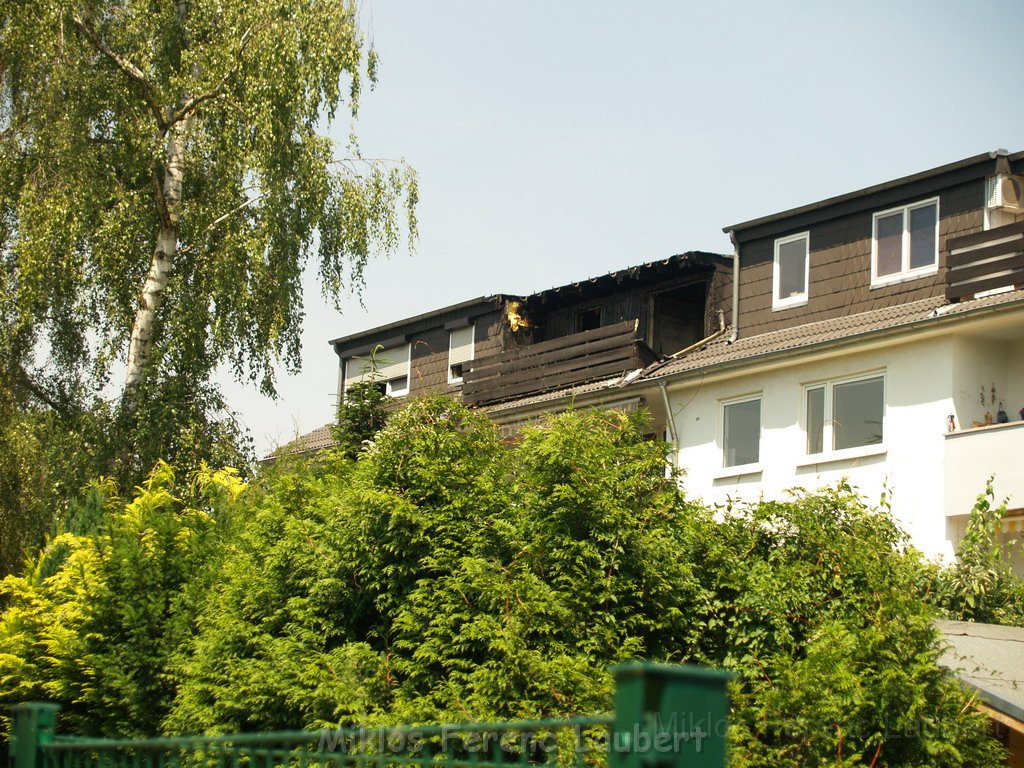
[[96, 98], [362, 413], [43, 459], [445, 575], [93, 623], [165, 179], [980, 584]]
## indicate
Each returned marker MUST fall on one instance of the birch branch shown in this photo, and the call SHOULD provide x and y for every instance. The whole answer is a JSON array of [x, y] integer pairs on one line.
[[131, 71], [220, 220], [193, 103]]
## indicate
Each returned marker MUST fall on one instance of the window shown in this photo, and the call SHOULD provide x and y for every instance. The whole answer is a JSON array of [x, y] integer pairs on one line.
[[460, 352], [741, 432], [588, 319], [905, 242], [389, 368], [790, 271], [846, 413]]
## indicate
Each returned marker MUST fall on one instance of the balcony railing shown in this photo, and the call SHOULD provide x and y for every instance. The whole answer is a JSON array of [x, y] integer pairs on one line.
[[975, 455], [555, 364], [985, 261]]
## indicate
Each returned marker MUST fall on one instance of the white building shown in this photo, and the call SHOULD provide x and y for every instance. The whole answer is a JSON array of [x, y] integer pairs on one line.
[[878, 337]]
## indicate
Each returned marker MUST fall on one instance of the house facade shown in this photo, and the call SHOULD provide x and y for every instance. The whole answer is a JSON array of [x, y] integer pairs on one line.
[[875, 337], [425, 354], [501, 350], [878, 337]]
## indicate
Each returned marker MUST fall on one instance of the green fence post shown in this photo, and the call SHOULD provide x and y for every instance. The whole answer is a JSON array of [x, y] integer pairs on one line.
[[669, 716], [32, 725]]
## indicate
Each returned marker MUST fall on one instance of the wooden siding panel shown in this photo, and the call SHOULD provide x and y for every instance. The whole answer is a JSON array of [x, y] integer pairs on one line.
[[555, 363]]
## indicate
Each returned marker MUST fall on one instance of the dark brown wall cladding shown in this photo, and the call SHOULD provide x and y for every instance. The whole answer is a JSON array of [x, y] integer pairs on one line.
[[615, 308], [719, 298], [429, 362], [840, 266]]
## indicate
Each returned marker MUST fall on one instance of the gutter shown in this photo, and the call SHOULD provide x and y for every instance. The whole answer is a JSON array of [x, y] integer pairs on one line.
[[735, 286], [643, 373], [669, 421], [706, 340]]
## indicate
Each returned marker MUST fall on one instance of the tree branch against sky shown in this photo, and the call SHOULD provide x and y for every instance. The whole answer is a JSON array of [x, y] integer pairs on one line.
[[164, 180]]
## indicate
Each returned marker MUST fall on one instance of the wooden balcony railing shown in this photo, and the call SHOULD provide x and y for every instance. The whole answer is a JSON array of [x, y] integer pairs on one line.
[[984, 261], [554, 364]]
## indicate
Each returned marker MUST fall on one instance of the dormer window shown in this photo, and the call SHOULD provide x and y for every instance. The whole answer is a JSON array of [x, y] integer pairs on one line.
[[790, 274], [460, 352], [387, 368], [905, 242]]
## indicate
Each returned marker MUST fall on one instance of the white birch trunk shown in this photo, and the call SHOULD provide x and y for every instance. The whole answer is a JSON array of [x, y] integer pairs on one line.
[[141, 346]]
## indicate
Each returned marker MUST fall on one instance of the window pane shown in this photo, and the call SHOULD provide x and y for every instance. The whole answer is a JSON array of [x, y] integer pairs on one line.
[[816, 420], [923, 252], [889, 249], [792, 269], [742, 433], [857, 413]]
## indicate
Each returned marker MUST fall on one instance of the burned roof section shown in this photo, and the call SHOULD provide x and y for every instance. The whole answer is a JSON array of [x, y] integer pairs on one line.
[[649, 272]]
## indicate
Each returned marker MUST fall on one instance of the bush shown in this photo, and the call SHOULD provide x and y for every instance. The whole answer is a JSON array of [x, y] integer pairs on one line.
[[446, 576], [980, 585]]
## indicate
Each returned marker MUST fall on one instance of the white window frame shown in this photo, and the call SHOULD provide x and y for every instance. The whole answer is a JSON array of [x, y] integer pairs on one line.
[[828, 452], [392, 391], [472, 351], [905, 273], [735, 469], [801, 298], [389, 384]]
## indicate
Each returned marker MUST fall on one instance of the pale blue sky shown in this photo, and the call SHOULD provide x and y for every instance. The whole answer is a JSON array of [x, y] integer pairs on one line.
[[558, 141]]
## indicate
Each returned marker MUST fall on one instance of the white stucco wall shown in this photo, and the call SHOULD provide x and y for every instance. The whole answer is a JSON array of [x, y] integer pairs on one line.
[[919, 395], [981, 364]]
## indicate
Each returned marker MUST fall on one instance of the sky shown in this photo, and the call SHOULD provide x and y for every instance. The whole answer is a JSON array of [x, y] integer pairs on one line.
[[556, 141]]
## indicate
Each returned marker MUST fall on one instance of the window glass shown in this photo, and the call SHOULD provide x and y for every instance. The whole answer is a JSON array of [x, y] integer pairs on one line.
[[816, 420], [857, 408], [922, 236], [460, 352], [889, 244], [792, 269], [398, 386], [742, 433]]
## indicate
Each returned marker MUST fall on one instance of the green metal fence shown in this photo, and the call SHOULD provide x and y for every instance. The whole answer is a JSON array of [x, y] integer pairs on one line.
[[665, 717]]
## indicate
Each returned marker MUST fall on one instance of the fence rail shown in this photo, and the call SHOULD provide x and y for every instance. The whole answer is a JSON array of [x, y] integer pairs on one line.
[[985, 261], [549, 365], [669, 716]]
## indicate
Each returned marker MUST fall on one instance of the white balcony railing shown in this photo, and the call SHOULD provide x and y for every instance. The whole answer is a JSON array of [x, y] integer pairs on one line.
[[974, 455]]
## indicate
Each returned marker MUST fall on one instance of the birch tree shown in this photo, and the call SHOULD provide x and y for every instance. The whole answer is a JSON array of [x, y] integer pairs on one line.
[[165, 177]]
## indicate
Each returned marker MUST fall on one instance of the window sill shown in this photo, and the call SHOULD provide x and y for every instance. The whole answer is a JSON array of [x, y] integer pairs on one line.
[[884, 282], [800, 301], [831, 457], [740, 470]]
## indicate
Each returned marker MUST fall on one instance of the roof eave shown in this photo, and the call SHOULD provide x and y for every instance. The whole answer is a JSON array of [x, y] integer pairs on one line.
[[481, 302], [976, 160]]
